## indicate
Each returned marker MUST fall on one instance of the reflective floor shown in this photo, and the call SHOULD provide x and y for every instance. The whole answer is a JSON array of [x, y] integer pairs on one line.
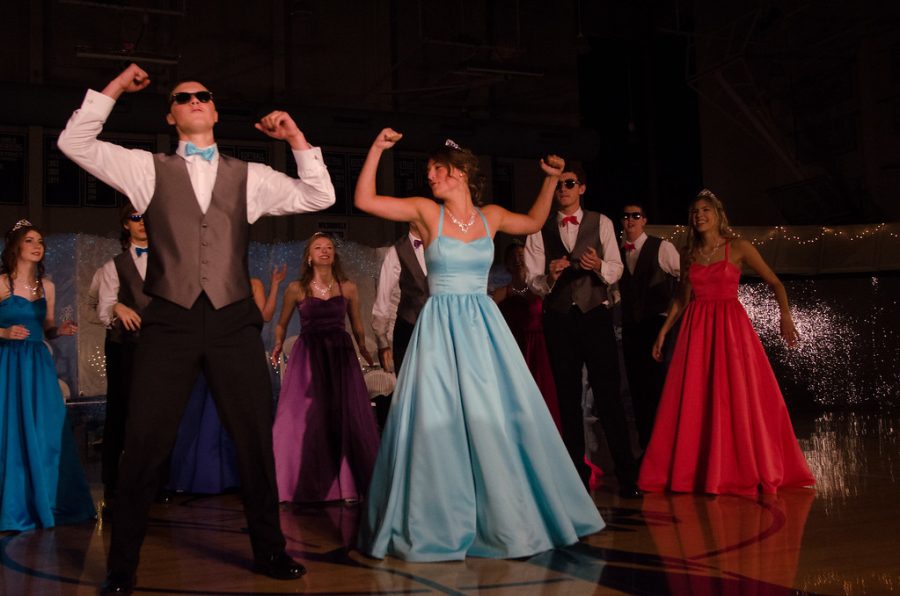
[[841, 538]]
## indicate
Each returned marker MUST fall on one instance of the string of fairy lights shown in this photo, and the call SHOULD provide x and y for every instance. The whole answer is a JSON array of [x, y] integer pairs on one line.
[[802, 235]]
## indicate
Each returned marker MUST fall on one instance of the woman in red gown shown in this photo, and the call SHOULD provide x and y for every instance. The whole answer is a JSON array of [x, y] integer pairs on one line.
[[722, 425]]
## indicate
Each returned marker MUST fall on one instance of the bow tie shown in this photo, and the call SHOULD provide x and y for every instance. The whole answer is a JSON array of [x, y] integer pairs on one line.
[[569, 219], [628, 246], [140, 251], [207, 154], [416, 243]]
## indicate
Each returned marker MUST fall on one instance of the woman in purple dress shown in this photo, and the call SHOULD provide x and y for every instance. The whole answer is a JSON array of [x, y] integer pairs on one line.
[[325, 438]]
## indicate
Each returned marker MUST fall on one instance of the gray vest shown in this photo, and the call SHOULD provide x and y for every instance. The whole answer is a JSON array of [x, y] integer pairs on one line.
[[131, 293], [195, 252], [648, 291], [575, 286], [413, 283]]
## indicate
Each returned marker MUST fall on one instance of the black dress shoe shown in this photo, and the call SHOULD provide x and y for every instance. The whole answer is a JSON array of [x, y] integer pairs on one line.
[[630, 491], [117, 583], [279, 566]]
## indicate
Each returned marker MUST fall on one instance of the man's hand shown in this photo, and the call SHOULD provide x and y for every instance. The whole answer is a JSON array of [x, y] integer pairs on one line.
[[557, 266], [590, 260], [134, 78], [130, 319], [279, 125]]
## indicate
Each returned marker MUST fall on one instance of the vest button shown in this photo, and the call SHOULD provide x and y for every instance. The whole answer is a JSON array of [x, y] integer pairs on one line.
[[205, 261], [204, 243], [205, 225]]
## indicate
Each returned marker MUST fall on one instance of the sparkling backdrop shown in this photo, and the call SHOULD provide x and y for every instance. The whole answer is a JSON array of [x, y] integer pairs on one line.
[[849, 346]]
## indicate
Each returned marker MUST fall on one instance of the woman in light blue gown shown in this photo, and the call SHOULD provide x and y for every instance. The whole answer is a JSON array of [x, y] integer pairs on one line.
[[42, 483], [471, 463]]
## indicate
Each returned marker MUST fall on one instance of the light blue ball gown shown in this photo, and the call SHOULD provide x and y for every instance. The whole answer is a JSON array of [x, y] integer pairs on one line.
[[42, 483], [471, 463]]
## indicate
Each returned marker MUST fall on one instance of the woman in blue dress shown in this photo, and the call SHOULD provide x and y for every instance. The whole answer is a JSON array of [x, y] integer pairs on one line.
[[42, 483], [471, 463]]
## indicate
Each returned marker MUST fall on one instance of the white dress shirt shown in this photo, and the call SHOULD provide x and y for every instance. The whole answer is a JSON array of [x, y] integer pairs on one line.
[[131, 171], [535, 259], [669, 259], [93, 299], [109, 285], [387, 298]]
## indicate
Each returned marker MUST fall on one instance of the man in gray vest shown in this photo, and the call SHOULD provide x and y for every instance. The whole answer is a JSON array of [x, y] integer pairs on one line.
[[120, 302], [652, 267], [572, 262], [197, 206]]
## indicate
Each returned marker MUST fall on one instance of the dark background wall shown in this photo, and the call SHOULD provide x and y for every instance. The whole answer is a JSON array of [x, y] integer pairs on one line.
[[789, 110]]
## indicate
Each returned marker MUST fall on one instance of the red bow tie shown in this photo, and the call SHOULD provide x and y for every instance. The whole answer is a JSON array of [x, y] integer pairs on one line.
[[417, 243], [569, 219], [628, 246]]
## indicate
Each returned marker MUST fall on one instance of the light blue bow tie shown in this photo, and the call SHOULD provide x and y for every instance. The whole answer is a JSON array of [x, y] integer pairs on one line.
[[207, 154]]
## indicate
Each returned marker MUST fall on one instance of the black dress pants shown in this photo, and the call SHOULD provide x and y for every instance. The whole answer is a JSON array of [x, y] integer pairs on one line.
[[119, 361], [575, 340], [646, 376], [176, 344], [400, 341]]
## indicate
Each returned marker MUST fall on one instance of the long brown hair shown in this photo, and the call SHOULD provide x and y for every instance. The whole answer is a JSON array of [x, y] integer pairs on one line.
[[306, 269], [694, 239], [452, 155], [10, 256]]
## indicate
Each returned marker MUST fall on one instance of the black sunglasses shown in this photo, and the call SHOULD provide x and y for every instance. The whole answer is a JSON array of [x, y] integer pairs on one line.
[[632, 215], [136, 217], [182, 97], [570, 183]]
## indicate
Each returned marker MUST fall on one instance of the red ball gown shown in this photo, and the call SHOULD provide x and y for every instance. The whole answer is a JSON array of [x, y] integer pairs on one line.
[[722, 426]]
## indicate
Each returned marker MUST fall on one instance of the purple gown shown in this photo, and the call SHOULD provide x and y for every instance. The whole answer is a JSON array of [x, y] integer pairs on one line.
[[325, 438]]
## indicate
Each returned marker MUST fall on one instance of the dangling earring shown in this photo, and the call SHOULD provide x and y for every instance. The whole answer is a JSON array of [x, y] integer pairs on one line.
[[309, 263]]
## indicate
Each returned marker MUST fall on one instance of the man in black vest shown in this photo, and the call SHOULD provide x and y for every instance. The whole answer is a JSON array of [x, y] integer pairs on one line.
[[652, 267], [197, 207], [402, 292], [403, 271], [120, 302], [571, 263]]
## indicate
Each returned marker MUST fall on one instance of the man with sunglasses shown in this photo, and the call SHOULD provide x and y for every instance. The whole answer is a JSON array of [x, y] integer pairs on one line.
[[652, 268], [572, 262], [120, 301], [197, 206]]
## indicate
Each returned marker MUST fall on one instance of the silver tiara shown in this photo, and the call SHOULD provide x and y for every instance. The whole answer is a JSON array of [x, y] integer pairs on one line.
[[452, 144], [22, 223]]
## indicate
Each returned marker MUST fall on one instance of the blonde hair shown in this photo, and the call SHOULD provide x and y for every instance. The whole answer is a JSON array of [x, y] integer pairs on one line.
[[694, 240]]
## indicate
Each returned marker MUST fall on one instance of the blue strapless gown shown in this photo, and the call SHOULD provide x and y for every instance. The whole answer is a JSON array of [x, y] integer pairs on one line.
[[42, 483], [471, 463]]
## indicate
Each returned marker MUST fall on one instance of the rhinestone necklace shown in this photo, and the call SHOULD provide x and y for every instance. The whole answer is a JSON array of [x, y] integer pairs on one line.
[[35, 290], [463, 227], [324, 292], [708, 255]]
